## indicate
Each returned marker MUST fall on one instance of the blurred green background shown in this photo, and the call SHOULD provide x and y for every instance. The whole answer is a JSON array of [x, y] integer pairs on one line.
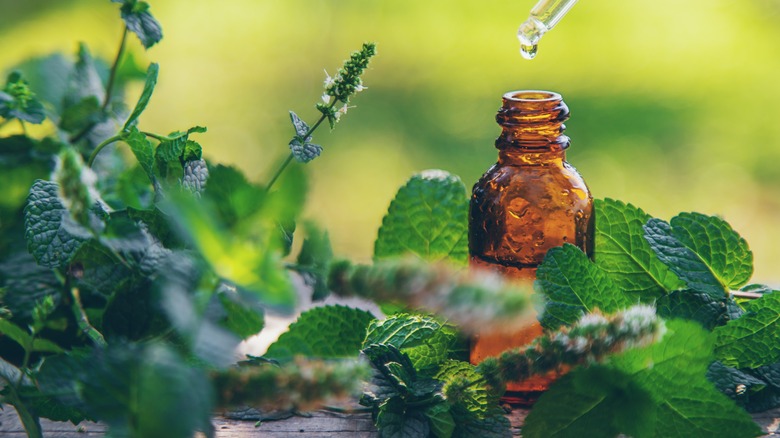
[[674, 104]]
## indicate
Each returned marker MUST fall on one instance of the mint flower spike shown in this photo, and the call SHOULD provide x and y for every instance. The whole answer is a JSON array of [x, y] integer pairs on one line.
[[347, 81], [591, 339], [345, 84]]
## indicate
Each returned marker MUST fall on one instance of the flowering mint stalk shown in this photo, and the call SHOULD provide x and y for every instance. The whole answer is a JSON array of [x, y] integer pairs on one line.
[[338, 90], [302, 384], [473, 300], [591, 339]]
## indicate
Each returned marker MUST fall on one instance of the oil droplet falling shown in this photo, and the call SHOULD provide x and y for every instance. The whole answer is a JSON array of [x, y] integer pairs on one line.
[[528, 50]]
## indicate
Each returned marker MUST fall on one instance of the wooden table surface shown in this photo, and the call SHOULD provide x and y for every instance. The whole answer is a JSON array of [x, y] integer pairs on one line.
[[315, 424]]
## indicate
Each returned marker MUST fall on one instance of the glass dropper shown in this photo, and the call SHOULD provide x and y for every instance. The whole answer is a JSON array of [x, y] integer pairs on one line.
[[544, 16]]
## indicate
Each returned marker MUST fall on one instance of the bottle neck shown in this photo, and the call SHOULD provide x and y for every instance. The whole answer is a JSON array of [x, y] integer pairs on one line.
[[529, 157], [532, 122]]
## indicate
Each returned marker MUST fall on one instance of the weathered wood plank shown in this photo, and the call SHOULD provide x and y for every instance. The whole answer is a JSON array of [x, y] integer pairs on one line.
[[316, 424]]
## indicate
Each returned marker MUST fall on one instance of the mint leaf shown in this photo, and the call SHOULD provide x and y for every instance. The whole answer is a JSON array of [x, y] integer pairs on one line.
[[495, 425], [193, 151], [440, 419], [391, 370], [303, 150], [591, 401], [703, 251], [86, 112], [146, 94], [17, 101], [699, 307], [26, 340], [624, 254], [429, 218], [470, 391], [574, 286], [142, 149], [138, 20], [751, 340], [233, 197], [395, 420], [242, 315], [425, 340], [684, 399], [301, 128], [742, 386], [658, 391], [323, 332], [52, 236], [84, 81], [25, 283]]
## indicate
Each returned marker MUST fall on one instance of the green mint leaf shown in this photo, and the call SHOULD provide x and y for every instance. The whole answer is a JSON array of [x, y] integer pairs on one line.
[[79, 116], [17, 101], [52, 236], [441, 421], [429, 218], [657, 391], [677, 383], [171, 150], [196, 173], [301, 128], [751, 340], [192, 151], [146, 94], [142, 149], [591, 401], [495, 425], [703, 251], [137, 390], [26, 283], [465, 388], [395, 420], [242, 314], [624, 254], [742, 386], [233, 197], [138, 20], [49, 407], [77, 188], [699, 307], [254, 266], [314, 261], [323, 332], [303, 151], [573, 286], [84, 81], [425, 340], [26, 340], [387, 362]]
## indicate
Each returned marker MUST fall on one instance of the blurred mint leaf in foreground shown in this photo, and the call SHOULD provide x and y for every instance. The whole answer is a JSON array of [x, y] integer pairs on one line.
[[429, 218]]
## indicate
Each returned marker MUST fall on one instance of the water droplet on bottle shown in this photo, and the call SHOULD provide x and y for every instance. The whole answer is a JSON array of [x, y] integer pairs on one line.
[[528, 50]]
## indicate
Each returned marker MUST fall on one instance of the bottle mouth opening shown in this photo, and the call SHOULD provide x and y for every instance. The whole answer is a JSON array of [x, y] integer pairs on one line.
[[532, 96]]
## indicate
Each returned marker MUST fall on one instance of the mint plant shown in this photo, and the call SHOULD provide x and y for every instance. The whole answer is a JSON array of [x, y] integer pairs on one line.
[[125, 286]]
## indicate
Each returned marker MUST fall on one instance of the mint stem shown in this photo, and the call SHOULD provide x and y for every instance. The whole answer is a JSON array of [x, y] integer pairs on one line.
[[159, 138], [290, 157], [24, 127], [83, 321], [99, 147], [31, 423], [114, 68]]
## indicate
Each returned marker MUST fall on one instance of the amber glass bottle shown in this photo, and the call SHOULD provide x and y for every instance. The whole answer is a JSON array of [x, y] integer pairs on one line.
[[531, 200]]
